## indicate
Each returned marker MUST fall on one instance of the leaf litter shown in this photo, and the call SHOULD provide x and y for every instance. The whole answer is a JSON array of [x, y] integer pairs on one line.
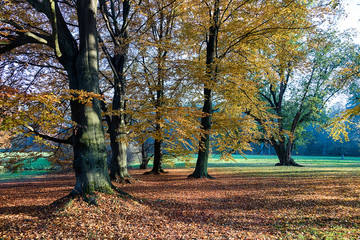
[[170, 206]]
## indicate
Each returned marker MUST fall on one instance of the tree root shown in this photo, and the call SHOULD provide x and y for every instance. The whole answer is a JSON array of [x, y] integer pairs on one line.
[[122, 193], [90, 198], [155, 172], [290, 163], [64, 202], [127, 179], [197, 176]]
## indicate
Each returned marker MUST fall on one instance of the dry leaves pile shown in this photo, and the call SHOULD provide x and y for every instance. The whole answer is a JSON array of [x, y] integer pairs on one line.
[[237, 205]]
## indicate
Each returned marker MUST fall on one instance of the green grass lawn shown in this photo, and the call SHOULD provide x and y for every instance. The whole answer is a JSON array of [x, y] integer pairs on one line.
[[32, 167], [271, 160], [251, 164]]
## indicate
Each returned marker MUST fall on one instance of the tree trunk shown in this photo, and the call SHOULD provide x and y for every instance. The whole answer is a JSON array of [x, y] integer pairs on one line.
[[158, 154], [118, 135], [204, 144], [284, 152], [144, 157], [90, 165], [118, 161], [158, 148], [117, 123]]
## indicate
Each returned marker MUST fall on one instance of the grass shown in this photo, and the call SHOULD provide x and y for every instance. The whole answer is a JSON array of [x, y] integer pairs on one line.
[[31, 166], [20, 175], [269, 161], [255, 165]]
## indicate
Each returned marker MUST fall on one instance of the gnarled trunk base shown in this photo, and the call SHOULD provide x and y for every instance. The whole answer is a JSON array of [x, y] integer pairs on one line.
[[291, 162], [203, 175]]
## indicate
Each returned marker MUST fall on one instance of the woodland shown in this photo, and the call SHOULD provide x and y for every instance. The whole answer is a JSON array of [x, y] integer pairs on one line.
[[85, 79]]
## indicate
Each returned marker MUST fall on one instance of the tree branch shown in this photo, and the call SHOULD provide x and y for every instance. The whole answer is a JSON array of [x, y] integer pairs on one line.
[[69, 140]]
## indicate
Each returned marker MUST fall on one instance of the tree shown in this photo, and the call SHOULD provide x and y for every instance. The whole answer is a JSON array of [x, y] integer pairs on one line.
[[80, 60], [305, 81], [161, 21], [229, 28], [118, 29], [161, 113]]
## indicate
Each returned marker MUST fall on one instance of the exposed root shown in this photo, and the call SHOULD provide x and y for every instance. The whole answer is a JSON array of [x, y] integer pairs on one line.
[[197, 176], [128, 179], [290, 163], [91, 199], [122, 193], [155, 172], [63, 202]]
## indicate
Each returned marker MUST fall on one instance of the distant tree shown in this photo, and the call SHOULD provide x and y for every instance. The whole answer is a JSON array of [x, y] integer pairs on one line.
[[300, 86], [228, 28], [161, 108]]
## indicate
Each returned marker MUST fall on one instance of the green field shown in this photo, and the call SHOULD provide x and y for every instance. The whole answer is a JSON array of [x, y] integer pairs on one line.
[[30, 168], [271, 160], [251, 164]]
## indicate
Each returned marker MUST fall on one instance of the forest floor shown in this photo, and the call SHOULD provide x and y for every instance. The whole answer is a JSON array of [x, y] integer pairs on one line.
[[263, 203]]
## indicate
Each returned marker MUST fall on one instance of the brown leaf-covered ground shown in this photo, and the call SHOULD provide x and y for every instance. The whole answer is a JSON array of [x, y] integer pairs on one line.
[[238, 204]]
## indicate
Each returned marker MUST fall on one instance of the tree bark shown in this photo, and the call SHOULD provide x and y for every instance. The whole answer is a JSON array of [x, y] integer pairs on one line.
[[117, 122], [284, 152], [144, 157], [118, 135], [159, 100], [204, 144], [90, 165], [158, 142], [158, 154]]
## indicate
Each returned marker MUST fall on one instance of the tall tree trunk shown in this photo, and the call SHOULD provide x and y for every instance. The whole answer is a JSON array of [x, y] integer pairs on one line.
[[158, 142], [90, 165], [204, 144], [118, 135], [158, 148], [117, 123]]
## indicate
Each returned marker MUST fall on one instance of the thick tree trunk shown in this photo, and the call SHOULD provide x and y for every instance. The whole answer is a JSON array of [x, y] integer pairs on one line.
[[118, 162], [284, 152], [90, 165]]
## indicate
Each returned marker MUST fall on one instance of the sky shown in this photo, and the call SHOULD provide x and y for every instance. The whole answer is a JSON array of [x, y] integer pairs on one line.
[[352, 20]]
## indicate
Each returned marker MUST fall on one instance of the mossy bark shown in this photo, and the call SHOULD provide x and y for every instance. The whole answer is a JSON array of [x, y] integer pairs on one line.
[[90, 164]]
